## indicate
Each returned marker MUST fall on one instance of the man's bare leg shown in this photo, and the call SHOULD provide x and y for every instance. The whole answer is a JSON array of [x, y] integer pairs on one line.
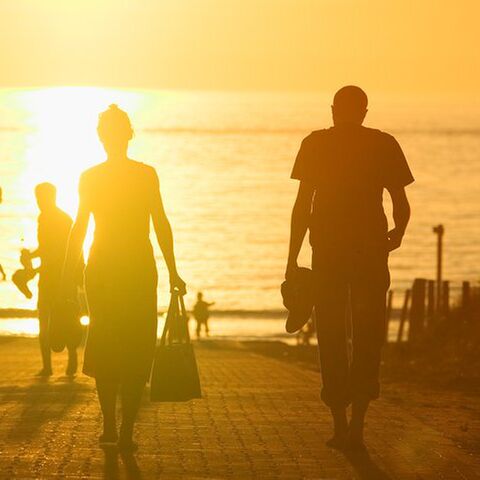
[[340, 428], [357, 423]]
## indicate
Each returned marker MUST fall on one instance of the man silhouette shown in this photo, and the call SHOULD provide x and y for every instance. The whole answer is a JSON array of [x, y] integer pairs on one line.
[[343, 171], [54, 227]]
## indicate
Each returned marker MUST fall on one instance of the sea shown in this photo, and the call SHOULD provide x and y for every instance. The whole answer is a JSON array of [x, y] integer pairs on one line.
[[224, 161]]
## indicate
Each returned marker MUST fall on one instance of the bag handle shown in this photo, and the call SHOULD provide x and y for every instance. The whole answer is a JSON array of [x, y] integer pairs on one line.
[[176, 325], [171, 314], [183, 313]]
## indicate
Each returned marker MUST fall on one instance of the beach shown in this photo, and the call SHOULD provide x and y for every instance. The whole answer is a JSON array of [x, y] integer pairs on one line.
[[182, 183], [234, 326], [260, 417]]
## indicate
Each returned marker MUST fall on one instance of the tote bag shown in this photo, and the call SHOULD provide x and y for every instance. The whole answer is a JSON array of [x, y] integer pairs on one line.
[[175, 374]]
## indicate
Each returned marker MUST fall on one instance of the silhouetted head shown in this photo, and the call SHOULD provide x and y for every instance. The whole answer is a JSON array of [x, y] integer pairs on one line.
[[115, 131], [46, 195], [199, 296], [349, 105]]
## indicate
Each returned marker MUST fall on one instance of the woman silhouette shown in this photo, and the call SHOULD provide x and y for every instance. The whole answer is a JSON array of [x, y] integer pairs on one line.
[[121, 276]]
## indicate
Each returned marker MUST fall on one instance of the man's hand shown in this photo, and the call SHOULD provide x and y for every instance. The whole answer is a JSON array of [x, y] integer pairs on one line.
[[291, 270], [395, 237], [401, 215]]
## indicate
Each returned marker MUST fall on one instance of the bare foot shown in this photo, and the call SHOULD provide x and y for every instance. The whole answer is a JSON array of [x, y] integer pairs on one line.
[[337, 441], [71, 370]]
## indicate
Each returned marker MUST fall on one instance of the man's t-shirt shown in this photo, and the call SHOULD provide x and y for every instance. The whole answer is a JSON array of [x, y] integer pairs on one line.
[[349, 166], [53, 232]]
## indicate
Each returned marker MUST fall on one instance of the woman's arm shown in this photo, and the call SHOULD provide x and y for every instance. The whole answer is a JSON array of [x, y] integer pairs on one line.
[[75, 248], [164, 234]]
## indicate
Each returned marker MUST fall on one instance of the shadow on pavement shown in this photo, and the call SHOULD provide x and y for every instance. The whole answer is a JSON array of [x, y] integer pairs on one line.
[[365, 467], [41, 402], [111, 468]]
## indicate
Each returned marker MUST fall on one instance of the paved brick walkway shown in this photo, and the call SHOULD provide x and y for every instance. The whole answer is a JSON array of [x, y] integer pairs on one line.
[[259, 418]]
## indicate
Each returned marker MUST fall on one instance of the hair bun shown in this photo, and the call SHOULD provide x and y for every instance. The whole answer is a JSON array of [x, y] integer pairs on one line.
[[114, 122]]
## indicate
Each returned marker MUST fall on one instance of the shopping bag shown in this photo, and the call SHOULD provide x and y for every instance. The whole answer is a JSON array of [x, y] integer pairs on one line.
[[175, 373]]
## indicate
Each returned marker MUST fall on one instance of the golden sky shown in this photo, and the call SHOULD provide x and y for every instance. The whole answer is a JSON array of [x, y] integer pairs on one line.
[[386, 45]]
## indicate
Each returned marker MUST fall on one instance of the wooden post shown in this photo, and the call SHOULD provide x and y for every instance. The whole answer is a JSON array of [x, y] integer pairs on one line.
[[439, 230], [417, 310], [430, 302], [388, 313], [403, 316], [446, 298]]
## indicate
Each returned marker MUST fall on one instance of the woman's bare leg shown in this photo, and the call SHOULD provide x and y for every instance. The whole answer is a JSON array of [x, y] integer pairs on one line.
[[72, 361], [107, 395], [131, 394]]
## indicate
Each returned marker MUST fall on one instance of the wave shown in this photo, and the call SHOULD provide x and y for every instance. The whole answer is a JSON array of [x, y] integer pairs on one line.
[[293, 131], [223, 131], [265, 131], [12, 128], [278, 314], [31, 313]]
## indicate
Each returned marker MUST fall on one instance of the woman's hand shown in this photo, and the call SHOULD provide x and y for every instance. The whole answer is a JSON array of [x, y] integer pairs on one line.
[[177, 284]]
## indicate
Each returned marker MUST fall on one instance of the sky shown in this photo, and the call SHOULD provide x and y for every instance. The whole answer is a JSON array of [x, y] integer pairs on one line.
[[391, 45]]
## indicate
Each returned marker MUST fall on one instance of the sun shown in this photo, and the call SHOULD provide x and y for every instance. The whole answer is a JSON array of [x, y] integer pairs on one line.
[[59, 142], [61, 139]]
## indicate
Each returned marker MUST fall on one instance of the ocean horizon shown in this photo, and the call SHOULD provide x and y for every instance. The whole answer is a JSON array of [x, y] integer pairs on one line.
[[224, 161]]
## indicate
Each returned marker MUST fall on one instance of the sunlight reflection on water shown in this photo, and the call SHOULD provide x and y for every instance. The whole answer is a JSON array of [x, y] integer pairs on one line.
[[224, 161]]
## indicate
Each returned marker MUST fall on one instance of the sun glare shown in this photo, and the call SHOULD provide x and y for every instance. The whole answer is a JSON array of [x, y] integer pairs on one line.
[[62, 140]]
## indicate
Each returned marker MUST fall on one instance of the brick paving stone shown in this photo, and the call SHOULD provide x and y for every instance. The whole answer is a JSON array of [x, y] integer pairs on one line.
[[259, 418]]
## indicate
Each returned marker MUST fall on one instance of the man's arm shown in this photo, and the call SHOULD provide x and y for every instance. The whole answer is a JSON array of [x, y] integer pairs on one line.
[[401, 216], [299, 224], [38, 251]]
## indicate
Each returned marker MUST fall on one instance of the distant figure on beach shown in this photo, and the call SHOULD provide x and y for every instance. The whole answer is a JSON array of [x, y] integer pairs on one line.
[[22, 276], [202, 314], [121, 275], [343, 171], [54, 227]]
